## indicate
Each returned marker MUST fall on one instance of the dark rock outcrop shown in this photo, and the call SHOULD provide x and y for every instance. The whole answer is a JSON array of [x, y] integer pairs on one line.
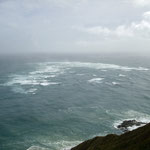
[[138, 139], [129, 123]]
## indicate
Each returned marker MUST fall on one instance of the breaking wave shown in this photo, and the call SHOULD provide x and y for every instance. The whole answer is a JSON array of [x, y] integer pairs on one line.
[[101, 66], [96, 80], [115, 83], [133, 115], [122, 75], [61, 145], [46, 73]]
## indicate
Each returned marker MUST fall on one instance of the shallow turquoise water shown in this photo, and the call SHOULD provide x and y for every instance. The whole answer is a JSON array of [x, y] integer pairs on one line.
[[55, 105]]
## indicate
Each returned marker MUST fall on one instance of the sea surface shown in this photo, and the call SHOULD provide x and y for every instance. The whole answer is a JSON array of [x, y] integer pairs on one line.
[[56, 103]]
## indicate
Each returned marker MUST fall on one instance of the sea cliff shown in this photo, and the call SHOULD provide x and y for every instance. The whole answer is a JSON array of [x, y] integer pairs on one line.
[[138, 139]]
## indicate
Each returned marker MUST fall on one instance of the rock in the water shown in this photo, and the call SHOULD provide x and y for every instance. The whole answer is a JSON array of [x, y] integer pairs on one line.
[[129, 123]]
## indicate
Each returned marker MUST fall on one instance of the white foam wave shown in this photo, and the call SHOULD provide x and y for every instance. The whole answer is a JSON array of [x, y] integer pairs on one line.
[[122, 75], [66, 145], [23, 91], [26, 80], [133, 115], [44, 73], [96, 80], [49, 83], [33, 90], [25, 84], [101, 66], [135, 127], [49, 76], [37, 148], [59, 145], [132, 127], [115, 83], [80, 74], [19, 90], [94, 75], [42, 68], [57, 66]]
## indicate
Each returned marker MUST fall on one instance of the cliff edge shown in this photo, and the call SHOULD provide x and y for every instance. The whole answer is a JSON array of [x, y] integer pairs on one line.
[[138, 139]]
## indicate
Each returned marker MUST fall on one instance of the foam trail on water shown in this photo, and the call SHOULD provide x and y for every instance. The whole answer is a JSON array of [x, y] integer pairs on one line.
[[101, 66], [122, 75], [45, 73], [96, 80], [115, 83], [59, 145], [37, 148]]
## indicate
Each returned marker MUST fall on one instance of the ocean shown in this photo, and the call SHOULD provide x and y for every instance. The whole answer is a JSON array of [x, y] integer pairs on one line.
[[55, 103]]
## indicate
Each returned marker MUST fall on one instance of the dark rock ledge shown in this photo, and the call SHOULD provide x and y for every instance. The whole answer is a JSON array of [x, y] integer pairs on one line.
[[138, 139], [125, 125]]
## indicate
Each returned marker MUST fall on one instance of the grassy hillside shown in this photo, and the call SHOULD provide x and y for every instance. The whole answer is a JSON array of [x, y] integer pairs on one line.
[[138, 139]]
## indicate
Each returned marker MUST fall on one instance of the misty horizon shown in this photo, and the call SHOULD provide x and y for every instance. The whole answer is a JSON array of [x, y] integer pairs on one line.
[[79, 26]]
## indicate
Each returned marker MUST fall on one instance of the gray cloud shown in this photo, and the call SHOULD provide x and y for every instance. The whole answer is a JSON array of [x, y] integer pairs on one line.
[[74, 25], [139, 29], [141, 3]]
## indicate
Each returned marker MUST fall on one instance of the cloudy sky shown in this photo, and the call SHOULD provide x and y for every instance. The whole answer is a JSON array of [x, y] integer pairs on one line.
[[74, 26]]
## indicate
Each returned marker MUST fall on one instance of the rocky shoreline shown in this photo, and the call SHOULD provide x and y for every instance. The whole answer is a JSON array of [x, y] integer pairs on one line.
[[127, 124], [138, 139]]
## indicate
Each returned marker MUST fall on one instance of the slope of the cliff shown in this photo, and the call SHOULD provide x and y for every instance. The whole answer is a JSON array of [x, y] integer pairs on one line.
[[138, 139]]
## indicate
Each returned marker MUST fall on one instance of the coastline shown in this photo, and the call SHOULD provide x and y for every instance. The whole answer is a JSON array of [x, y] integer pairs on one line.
[[138, 139]]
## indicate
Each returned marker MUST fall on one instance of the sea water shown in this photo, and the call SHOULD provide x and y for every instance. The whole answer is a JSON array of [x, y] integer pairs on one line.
[[54, 104]]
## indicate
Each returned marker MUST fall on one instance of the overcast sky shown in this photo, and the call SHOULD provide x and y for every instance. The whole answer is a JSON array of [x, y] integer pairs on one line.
[[74, 26]]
